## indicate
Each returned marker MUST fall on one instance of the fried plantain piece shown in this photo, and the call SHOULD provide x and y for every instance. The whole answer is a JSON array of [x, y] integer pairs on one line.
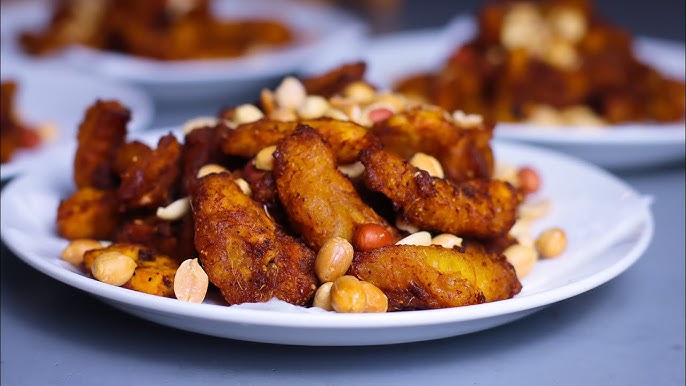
[[428, 277], [101, 133], [334, 81], [172, 238], [154, 273], [130, 153], [201, 147], [89, 213], [320, 201], [149, 182], [346, 138], [245, 254], [464, 153], [477, 208]]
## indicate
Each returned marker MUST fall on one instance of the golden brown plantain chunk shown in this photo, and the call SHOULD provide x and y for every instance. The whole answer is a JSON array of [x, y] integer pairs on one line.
[[334, 81], [477, 208], [89, 213], [149, 182], [464, 153], [243, 251], [154, 273], [427, 277], [320, 201], [101, 133], [345, 138]]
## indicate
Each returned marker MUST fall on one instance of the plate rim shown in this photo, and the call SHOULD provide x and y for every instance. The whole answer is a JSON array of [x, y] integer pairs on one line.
[[326, 320]]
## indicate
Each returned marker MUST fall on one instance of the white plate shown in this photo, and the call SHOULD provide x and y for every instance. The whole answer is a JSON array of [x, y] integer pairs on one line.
[[608, 226], [47, 95], [319, 30], [617, 146]]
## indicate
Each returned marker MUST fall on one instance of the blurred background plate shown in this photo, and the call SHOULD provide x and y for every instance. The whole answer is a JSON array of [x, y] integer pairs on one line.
[[393, 56], [317, 29], [58, 97]]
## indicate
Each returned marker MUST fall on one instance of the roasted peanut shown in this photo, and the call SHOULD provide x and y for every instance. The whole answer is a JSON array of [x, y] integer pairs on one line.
[[113, 268], [428, 163], [378, 114], [314, 106], [209, 169], [333, 259], [521, 231], [529, 180], [377, 301], [322, 298], [551, 242], [243, 184], [73, 253], [197, 123], [359, 92], [290, 93], [368, 236], [352, 170], [447, 240], [467, 120], [264, 160], [418, 238], [348, 295], [175, 210], [522, 258], [405, 226], [533, 210], [247, 113], [190, 282]]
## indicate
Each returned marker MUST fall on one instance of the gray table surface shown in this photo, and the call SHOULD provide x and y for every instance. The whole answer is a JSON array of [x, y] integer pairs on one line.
[[629, 331]]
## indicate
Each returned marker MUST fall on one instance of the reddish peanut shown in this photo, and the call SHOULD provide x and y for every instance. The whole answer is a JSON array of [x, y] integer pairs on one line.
[[551, 243], [73, 253], [322, 298], [529, 180], [333, 259], [368, 236], [348, 295], [377, 301]]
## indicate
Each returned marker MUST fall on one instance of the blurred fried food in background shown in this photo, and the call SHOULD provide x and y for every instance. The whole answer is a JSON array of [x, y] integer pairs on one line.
[[156, 29], [14, 134], [549, 62]]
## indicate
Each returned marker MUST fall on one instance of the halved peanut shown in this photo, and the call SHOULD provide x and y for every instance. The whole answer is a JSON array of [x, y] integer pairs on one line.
[[447, 240], [405, 226], [348, 295], [113, 268], [360, 92], [333, 259], [190, 282], [418, 238], [73, 253], [175, 210], [264, 160], [283, 115], [322, 297], [211, 168], [521, 231], [243, 184], [429, 163]]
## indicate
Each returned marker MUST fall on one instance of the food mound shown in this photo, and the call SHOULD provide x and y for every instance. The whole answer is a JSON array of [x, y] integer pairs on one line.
[[156, 29], [328, 193], [553, 62], [14, 134]]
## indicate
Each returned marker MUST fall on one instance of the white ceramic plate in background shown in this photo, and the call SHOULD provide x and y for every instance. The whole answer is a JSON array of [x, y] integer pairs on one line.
[[318, 29], [59, 97], [608, 225], [621, 146]]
